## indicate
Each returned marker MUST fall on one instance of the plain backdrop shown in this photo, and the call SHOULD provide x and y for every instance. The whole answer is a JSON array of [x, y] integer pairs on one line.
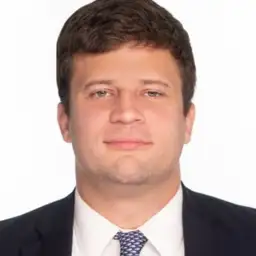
[[37, 167]]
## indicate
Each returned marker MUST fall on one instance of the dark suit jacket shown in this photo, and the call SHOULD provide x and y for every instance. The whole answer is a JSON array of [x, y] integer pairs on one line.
[[212, 227]]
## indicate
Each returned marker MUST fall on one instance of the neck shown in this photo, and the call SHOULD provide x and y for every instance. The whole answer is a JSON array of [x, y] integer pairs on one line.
[[128, 207]]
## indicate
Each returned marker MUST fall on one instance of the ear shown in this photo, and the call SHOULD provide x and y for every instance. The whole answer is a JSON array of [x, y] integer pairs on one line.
[[63, 120], [190, 118]]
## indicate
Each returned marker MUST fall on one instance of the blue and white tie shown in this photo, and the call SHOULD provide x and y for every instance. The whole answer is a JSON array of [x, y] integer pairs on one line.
[[131, 242]]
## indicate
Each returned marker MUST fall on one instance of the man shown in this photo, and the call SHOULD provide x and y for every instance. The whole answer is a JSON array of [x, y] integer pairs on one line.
[[126, 77]]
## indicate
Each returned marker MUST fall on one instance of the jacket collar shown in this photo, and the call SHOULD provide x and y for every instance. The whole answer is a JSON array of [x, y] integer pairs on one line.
[[205, 233], [53, 232], [197, 228]]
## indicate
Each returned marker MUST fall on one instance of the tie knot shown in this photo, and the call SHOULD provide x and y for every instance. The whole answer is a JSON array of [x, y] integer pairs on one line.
[[131, 242]]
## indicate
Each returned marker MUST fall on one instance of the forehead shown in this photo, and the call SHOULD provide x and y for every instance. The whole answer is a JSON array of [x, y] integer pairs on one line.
[[130, 63]]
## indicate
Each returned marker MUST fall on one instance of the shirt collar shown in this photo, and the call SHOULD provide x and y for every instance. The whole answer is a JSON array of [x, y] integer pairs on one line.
[[164, 230], [92, 231]]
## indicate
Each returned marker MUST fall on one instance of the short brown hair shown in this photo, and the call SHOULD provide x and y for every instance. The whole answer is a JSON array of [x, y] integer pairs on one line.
[[105, 25]]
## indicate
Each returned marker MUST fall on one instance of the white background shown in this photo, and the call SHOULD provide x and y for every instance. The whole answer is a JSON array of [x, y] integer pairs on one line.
[[37, 167]]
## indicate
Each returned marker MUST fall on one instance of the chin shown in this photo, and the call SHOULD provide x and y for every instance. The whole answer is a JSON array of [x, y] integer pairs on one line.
[[129, 172], [129, 180]]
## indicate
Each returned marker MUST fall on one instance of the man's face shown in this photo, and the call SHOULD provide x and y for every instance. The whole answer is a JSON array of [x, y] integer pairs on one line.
[[126, 120]]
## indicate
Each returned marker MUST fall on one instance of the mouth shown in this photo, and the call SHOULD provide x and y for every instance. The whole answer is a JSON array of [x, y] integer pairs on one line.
[[128, 144]]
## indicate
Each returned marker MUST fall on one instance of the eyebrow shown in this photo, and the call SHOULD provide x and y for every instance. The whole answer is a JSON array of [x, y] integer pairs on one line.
[[111, 82], [96, 82], [155, 81]]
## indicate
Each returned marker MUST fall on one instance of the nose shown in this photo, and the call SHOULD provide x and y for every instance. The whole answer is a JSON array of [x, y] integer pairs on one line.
[[126, 110]]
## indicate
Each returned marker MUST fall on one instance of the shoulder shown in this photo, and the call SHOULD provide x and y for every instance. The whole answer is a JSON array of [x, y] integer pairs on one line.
[[28, 217], [224, 213], [20, 227]]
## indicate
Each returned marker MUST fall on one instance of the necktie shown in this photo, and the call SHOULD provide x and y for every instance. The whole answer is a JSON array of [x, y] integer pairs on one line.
[[131, 242]]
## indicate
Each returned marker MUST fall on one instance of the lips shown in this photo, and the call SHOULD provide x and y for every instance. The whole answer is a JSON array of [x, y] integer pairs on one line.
[[128, 144]]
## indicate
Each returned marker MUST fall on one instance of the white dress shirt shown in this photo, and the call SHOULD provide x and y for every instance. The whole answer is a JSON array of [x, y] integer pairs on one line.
[[93, 234]]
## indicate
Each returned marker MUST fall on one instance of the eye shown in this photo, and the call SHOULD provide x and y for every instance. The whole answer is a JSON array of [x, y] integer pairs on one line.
[[154, 94], [99, 94]]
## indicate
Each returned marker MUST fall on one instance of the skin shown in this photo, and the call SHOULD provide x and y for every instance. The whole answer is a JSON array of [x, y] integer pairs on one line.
[[127, 94]]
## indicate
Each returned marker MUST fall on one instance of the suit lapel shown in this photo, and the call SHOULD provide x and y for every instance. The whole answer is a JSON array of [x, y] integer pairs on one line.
[[198, 236], [53, 231], [204, 231]]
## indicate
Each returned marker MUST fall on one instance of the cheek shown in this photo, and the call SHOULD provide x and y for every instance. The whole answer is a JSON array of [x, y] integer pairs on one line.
[[167, 125], [89, 124], [89, 131]]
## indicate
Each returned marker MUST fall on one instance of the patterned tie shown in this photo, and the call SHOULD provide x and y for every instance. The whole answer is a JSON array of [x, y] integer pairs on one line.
[[131, 242]]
